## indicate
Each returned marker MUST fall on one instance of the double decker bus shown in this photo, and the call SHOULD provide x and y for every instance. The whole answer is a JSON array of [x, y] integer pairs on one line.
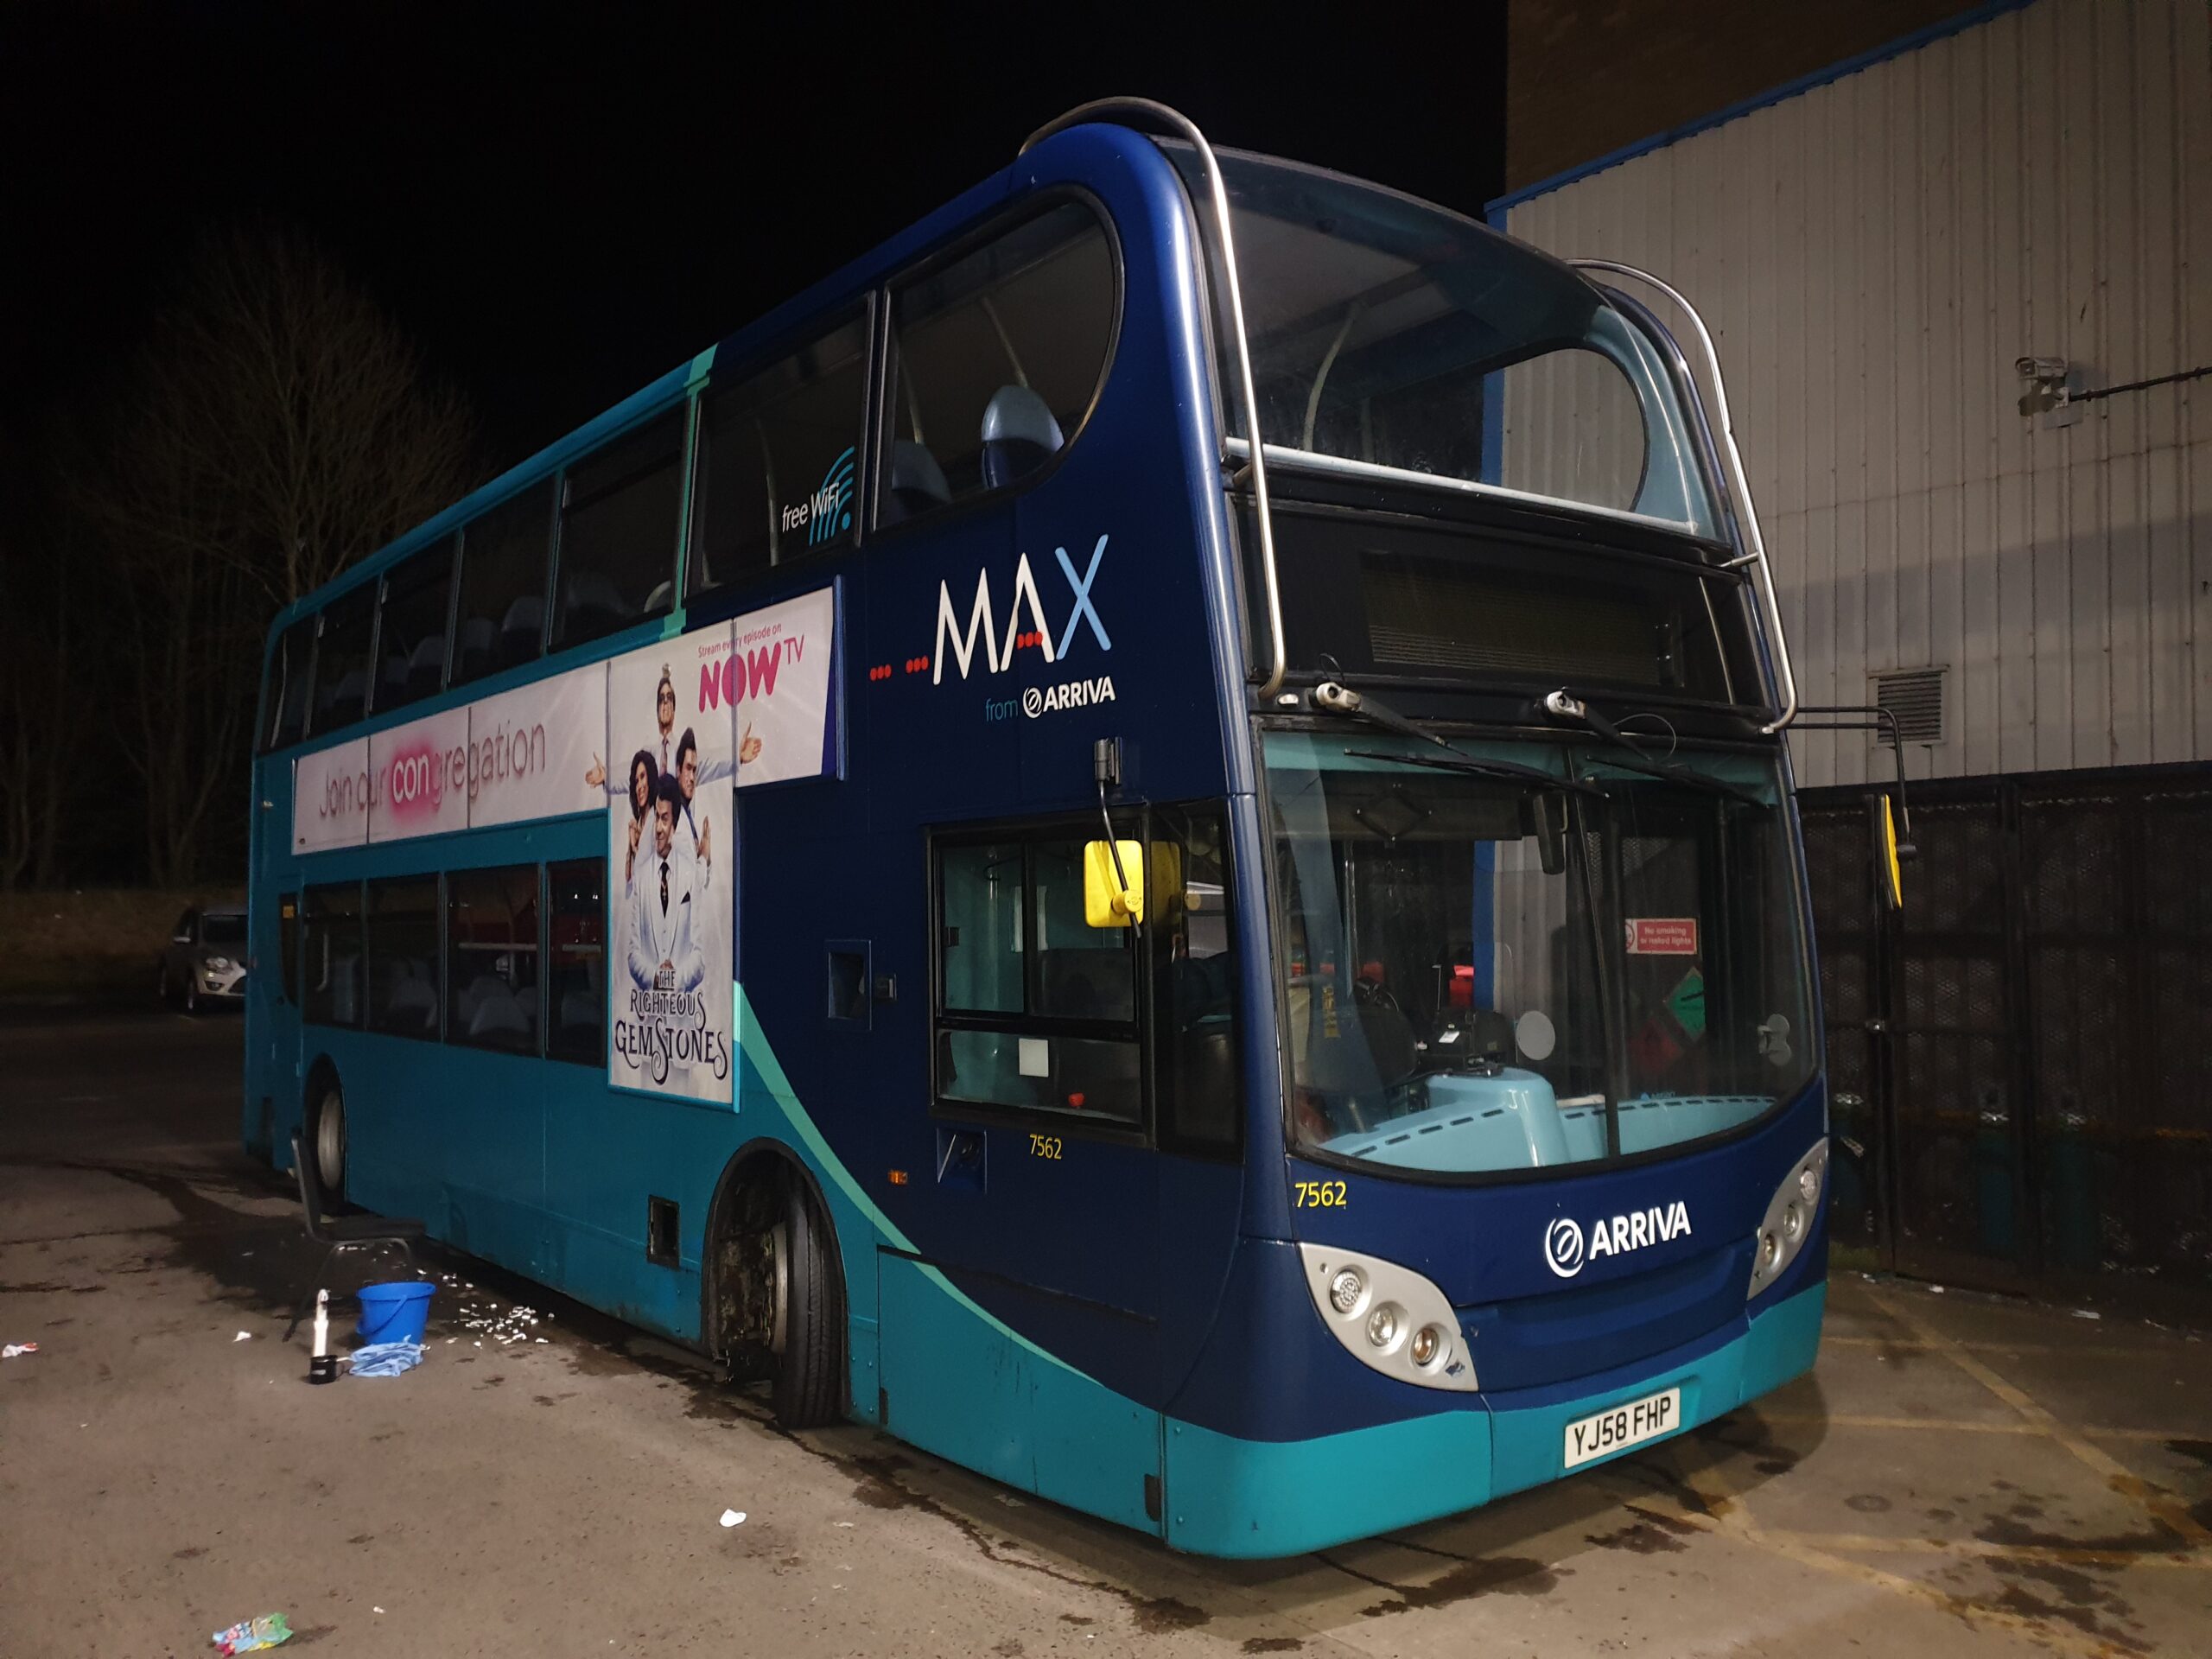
[[1145, 840]]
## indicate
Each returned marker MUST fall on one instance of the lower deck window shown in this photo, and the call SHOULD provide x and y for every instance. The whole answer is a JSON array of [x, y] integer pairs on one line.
[[1037, 1010], [492, 975], [575, 990], [1036, 1007], [402, 938], [331, 989]]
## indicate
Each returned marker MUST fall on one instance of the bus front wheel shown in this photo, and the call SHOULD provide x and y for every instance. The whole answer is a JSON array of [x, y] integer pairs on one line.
[[809, 1318], [327, 1145]]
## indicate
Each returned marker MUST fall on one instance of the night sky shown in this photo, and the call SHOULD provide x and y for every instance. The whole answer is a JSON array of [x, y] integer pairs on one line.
[[559, 202]]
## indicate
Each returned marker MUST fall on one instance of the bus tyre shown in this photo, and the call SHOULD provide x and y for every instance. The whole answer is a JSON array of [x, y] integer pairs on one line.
[[326, 1149], [809, 1340]]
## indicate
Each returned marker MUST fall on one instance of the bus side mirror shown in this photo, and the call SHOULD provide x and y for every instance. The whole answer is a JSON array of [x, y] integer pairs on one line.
[[1889, 855], [1111, 897]]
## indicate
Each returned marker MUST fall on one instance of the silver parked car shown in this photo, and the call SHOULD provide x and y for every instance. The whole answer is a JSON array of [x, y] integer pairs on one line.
[[204, 964]]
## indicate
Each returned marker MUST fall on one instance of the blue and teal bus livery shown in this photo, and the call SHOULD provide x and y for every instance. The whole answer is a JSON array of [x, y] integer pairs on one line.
[[1251, 978]]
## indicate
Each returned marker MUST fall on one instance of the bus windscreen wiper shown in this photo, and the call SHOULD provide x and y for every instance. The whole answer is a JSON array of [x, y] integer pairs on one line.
[[1504, 771], [1565, 705], [1339, 699]]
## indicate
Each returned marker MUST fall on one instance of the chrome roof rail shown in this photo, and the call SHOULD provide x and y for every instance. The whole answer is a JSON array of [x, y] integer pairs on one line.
[[1147, 114], [1738, 483]]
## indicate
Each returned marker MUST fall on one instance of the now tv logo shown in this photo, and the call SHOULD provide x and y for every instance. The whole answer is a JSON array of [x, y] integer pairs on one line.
[[998, 647], [747, 674]]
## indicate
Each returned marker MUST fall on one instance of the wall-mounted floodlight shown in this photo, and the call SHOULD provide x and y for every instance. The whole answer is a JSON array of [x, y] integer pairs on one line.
[[2049, 387]]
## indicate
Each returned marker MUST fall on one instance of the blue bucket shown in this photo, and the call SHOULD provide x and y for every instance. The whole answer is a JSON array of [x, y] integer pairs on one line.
[[399, 1312]]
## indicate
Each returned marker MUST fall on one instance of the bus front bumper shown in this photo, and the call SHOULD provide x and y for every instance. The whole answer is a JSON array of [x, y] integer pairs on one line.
[[1236, 1497]]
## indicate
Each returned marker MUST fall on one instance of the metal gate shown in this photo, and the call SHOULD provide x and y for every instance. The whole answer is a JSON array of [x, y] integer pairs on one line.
[[2021, 1059]]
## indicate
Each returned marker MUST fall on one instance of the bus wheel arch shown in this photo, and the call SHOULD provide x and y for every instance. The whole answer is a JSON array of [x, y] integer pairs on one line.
[[773, 1287], [323, 1132]]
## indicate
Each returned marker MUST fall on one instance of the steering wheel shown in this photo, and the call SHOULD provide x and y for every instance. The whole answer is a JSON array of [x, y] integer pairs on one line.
[[1376, 996]]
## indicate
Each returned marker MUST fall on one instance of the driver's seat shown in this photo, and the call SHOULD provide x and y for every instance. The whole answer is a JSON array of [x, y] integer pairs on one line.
[[1374, 1047]]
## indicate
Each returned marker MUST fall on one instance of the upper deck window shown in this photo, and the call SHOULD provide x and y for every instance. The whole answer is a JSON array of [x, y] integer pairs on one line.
[[996, 358], [619, 513], [777, 452], [1389, 332], [285, 701], [341, 658], [412, 638], [501, 620]]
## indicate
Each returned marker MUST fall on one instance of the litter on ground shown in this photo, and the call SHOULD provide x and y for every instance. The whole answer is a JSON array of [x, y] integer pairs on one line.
[[733, 1518], [251, 1635], [13, 1349], [242, 1335]]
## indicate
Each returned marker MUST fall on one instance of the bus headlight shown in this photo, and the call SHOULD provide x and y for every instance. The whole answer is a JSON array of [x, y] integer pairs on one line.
[[1346, 1290], [1388, 1318], [1789, 1217]]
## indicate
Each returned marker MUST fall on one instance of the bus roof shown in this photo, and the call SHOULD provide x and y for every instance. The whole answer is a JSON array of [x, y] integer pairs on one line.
[[850, 280]]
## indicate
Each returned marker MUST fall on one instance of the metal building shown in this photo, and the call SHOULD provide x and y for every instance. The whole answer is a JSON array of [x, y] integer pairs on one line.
[[1962, 285]]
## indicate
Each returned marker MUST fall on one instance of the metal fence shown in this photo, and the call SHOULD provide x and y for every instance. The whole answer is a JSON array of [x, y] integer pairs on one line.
[[2021, 1058]]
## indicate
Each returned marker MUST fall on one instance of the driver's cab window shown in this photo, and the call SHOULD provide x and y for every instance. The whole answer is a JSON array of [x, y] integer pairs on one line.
[[1435, 955], [1036, 1009]]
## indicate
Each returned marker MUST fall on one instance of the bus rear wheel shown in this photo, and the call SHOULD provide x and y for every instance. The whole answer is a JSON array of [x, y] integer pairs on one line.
[[809, 1328]]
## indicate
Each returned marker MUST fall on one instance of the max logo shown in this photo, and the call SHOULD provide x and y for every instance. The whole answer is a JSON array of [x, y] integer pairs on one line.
[[998, 649]]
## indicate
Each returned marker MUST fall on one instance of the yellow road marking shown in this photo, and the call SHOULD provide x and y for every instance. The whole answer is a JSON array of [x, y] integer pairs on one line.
[[2160, 1503], [1853, 1419], [1873, 1543], [2026, 1350], [1728, 1517]]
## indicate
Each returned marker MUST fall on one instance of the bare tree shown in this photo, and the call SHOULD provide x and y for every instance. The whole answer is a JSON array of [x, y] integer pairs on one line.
[[278, 427], [37, 743]]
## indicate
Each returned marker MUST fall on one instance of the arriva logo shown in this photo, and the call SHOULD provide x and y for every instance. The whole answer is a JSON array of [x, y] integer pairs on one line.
[[998, 649], [1565, 1251]]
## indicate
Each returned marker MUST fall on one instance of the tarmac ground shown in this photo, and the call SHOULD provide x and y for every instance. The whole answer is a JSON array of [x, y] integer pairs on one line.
[[1961, 1476]]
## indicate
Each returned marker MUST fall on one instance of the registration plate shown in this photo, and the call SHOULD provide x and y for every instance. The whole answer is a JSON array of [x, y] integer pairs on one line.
[[1631, 1423]]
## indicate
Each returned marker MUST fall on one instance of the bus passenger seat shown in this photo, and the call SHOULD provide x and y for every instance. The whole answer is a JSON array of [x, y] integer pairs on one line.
[[412, 1005], [917, 482], [1020, 434], [426, 667], [501, 1021], [519, 630], [478, 640], [590, 608]]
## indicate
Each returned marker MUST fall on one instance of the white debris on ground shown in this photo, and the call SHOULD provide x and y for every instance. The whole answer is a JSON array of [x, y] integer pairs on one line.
[[505, 1324], [733, 1518]]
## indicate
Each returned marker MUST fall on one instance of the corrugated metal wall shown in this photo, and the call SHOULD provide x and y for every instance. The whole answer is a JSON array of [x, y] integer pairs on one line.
[[1872, 255]]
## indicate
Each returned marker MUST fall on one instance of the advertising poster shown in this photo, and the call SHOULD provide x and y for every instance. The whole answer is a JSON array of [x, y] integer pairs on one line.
[[330, 797], [670, 867], [418, 777], [532, 750], [776, 683]]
